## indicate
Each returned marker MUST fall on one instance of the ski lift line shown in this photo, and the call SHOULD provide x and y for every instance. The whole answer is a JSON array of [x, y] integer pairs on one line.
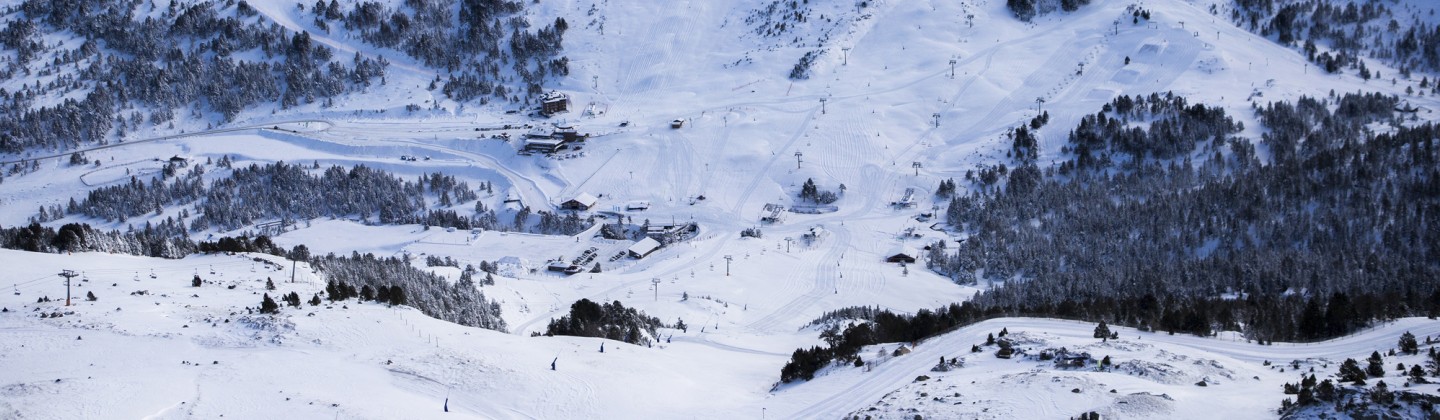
[[174, 268], [38, 283]]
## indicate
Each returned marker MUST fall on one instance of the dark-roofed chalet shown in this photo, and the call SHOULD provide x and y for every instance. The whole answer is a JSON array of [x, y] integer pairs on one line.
[[584, 201], [902, 254]]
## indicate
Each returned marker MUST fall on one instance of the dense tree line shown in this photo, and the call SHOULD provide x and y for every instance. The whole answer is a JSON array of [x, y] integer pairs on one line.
[[484, 45], [165, 240], [1334, 35], [139, 57], [1337, 230], [283, 191], [290, 192], [1175, 128], [812, 192], [1025, 10], [866, 326], [462, 302], [610, 321]]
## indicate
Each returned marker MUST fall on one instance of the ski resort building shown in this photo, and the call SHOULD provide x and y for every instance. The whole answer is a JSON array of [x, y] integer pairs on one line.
[[643, 247], [544, 145], [554, 103], [772, 213], [902, 254], [581, 202], [670, 233], [814, 235], [553, 139], [907, 200]]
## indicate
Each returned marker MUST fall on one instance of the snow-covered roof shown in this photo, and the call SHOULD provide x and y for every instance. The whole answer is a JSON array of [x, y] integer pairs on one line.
[[644, 246], [903, 249], [585, 199]]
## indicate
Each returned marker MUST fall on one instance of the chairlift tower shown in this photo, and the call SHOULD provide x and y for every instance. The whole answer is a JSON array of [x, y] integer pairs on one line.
[[728, 258], [797, 159], [68, 274]]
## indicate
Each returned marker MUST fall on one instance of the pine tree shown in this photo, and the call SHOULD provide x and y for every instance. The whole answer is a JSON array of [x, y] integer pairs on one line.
[[90, 296], [1350, 372], [397, 295], [1417, 374], [195, 282], [1325, 391], [1102, 331], [269, 284], [1408, 345], [1376, 368], [268, 306]]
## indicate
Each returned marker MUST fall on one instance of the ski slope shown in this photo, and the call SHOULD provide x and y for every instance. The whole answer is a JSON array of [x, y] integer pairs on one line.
[[752, 137]]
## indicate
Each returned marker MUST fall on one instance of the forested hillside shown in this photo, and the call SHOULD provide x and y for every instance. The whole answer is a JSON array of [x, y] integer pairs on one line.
[[1338, 36], [1337, 230], [1131, 230], [92, 72]]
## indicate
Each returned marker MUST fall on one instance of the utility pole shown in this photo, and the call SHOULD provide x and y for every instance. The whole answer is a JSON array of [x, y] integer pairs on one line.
[[797, 159], [67, 274], [656, 282], [292, 270], [728, 258]]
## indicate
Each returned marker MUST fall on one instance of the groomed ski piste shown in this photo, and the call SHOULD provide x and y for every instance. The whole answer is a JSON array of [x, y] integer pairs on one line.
[[880, 113]]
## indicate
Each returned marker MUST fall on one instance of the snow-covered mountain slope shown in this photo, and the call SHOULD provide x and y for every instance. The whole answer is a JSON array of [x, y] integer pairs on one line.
[[879, 113], [199, 352]]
